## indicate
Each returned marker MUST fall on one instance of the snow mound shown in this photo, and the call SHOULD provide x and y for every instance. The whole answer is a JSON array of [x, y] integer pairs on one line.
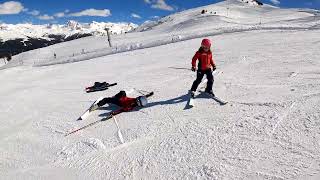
[[81, 148]]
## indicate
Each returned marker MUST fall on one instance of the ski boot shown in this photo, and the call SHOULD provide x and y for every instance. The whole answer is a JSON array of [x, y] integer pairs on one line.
[[210, 92], [192, 93]]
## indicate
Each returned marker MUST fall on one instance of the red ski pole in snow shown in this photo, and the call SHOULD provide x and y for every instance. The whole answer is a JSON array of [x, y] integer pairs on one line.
[[91, 124], [113, 113]]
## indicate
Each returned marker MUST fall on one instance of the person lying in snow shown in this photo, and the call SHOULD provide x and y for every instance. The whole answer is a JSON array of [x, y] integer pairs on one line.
[[126, 103], [205, 66]]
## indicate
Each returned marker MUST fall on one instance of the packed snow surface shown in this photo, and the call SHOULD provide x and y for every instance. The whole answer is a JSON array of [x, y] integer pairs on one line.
[[269, 129]]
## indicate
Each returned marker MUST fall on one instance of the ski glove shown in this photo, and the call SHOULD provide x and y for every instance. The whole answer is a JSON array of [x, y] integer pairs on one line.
[[193, 69], [214, 68]]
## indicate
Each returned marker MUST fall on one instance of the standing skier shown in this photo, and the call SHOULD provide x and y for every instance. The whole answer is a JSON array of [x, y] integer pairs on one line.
[[205, 66], [126, 103]]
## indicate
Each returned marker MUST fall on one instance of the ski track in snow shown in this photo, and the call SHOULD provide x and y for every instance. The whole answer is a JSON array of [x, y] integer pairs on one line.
[[268, 130]]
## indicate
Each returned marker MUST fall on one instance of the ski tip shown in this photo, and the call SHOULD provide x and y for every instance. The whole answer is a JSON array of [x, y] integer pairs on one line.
[[224, 103], [79, 119]]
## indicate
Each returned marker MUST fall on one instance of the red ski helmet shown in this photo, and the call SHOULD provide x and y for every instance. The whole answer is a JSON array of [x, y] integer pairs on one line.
[[206, 43]]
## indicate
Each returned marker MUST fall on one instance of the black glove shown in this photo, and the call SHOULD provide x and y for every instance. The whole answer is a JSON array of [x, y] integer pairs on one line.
[[214, 67], [193, 69]]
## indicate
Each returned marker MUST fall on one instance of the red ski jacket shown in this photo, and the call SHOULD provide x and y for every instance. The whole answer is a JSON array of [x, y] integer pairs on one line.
[[205, 60], [127, 103]]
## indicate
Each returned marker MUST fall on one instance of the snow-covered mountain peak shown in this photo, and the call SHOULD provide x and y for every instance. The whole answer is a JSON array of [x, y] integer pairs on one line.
[[250, 2], [26, 30], [74, 25]]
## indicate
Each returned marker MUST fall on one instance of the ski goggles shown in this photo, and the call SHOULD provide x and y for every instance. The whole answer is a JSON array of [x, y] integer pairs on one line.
[[205, 47]]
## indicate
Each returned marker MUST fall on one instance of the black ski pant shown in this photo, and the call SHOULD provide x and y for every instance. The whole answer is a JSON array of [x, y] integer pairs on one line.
[[200, 74], [108, 100], [112, 100]]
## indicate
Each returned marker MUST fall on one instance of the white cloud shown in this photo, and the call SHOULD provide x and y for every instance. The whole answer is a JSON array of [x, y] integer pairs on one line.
[[59, 14], [93, 12], [11, 7], [154, 17], [159, 4], [45, 17], [34, 12], [66, 11], [276, 2], [135, 16]]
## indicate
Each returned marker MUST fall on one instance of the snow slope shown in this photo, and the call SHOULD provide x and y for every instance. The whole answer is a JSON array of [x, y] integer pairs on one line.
[[269, 129], [231, 16]]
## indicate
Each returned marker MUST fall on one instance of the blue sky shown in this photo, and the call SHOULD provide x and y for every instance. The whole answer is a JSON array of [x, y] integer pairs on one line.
[[136, 11]]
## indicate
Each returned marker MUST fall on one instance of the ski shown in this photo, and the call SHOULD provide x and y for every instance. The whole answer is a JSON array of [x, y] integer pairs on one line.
[[86, 114], [103, 86], [149, 94], [221, 102]]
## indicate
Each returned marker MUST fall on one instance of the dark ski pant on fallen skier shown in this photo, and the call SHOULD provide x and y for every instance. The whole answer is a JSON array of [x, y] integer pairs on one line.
[[109, 100], [200, 74], [113, 100]]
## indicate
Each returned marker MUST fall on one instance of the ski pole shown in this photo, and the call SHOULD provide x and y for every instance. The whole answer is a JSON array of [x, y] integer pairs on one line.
[[146, 95], [91, 124], [141, 91]]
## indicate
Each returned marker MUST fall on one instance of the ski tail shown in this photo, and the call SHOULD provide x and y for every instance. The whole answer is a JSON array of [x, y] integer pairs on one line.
[[149, 95], [220, 101], [114, 84]]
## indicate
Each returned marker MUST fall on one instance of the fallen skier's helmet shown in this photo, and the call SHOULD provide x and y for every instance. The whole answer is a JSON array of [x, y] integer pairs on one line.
[[142, 101]]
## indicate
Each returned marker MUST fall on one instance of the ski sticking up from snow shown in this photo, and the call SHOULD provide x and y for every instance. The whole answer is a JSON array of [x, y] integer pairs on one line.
[[86, 114], [119, 130], [221, 102]]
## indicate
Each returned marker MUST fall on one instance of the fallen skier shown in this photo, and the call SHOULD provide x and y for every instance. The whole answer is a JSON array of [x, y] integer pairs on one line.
[[124, 102]]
